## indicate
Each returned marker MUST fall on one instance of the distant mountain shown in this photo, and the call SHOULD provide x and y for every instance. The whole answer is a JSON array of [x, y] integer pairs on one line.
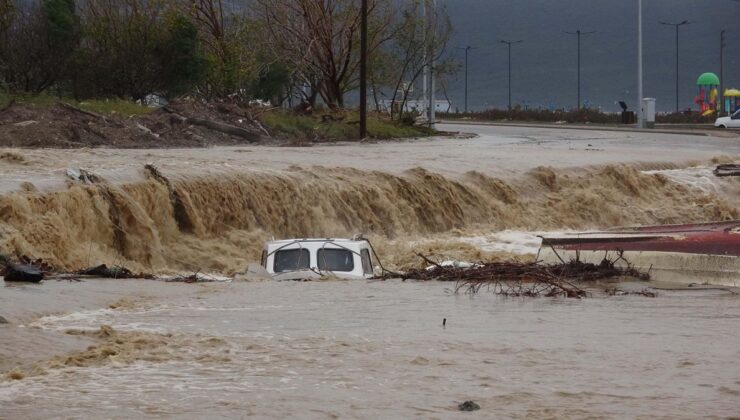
[[544, 65]]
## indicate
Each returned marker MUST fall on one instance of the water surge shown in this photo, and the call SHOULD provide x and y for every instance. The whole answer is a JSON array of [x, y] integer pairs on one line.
[[218, 222]]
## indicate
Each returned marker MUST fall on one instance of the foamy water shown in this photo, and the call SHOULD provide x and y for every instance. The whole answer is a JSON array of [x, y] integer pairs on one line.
[[698, 177], [379, 350]]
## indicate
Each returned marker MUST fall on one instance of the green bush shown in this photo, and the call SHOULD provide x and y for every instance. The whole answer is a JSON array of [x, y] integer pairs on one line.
[[585, 115]]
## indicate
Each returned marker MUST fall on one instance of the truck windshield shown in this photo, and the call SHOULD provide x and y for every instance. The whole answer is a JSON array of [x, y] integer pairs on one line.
[[291, 260], [336, 260]]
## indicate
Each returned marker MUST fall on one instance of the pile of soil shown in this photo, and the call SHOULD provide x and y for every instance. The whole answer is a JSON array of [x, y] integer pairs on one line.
[[181, 124]]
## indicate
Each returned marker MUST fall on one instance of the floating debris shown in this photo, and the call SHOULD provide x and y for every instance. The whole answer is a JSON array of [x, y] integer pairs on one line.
[[522, 279], [83, 176], [468, 406], [115, 272], [620, 292], [22, 273], [196, 278]]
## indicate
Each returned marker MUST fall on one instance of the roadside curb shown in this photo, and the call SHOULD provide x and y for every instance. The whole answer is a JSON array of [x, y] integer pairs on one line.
[[689, 132]]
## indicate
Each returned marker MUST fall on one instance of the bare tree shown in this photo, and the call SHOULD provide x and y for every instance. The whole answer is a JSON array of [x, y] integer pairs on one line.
[[225, 35], [319, 39], [418, 42], [7, 13], [36, 41]]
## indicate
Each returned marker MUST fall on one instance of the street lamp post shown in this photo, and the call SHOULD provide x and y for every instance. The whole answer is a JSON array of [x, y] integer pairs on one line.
[[431, 20], [578, 33], [640, 116], [363, 71], [722, 46], [677, 25], [467, 49], [510, 43]]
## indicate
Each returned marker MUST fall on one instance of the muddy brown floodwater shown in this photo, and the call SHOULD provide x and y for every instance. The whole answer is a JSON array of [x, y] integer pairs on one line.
[[135, 348], [377, 350]]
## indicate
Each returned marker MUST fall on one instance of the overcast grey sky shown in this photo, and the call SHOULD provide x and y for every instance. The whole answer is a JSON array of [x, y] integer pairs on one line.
[[544, 66]]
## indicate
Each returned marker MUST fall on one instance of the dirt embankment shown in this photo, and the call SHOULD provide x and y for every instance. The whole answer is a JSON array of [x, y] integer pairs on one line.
[[181, 124]]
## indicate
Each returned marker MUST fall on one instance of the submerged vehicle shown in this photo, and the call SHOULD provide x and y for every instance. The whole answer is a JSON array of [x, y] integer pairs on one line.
[[727, 170], [294, 259], [704, 253]]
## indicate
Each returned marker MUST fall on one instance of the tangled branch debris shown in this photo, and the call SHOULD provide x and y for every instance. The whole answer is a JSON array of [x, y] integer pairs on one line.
[[115, 272], [524, 279], [620, 292]]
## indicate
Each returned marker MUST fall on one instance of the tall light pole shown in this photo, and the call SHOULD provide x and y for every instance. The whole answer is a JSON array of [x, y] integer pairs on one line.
[[578, 33], [467, 49], [640, 116], [510, 43], [431, 28], [677, 25], [363, 71], [722, 46]]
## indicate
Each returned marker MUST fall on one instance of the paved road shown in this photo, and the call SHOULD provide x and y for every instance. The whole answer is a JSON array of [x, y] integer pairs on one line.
[[694, 129], [499, 151]]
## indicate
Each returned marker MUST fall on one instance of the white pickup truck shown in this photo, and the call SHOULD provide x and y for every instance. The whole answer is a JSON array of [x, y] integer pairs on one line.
[[312, 258], [733, 121]]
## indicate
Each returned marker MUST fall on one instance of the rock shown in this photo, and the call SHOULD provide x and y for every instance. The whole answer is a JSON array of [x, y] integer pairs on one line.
[[22, 272], [83, 176], [3, 321], [25, 123], [468, 406]]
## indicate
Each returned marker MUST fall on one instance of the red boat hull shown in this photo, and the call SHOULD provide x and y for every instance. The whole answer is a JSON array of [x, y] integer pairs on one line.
[[709, 239], [696, 253]]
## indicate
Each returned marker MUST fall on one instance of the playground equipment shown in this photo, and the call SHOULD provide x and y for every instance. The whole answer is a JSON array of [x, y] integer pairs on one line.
[[732, 100], [708, 92]]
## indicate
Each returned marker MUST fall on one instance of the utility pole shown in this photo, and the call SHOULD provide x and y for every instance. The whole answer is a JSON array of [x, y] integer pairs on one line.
[[640, 116], [578, 33], [510, 43], [363, 71], [722, 46], [425, 71], [432, 18], [467, 49], [677, 25]]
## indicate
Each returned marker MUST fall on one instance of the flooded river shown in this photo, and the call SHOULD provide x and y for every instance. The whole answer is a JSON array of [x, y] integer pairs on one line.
[[367, 350]]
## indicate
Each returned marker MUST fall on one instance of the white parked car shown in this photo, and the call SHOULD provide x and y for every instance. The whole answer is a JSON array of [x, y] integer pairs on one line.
[[312, 258], [733, 121]]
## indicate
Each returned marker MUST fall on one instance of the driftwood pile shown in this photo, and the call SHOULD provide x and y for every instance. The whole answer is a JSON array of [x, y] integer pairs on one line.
[[523, 279]]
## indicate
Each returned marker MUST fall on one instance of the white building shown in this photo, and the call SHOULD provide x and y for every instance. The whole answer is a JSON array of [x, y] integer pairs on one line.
[[417, 105]]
